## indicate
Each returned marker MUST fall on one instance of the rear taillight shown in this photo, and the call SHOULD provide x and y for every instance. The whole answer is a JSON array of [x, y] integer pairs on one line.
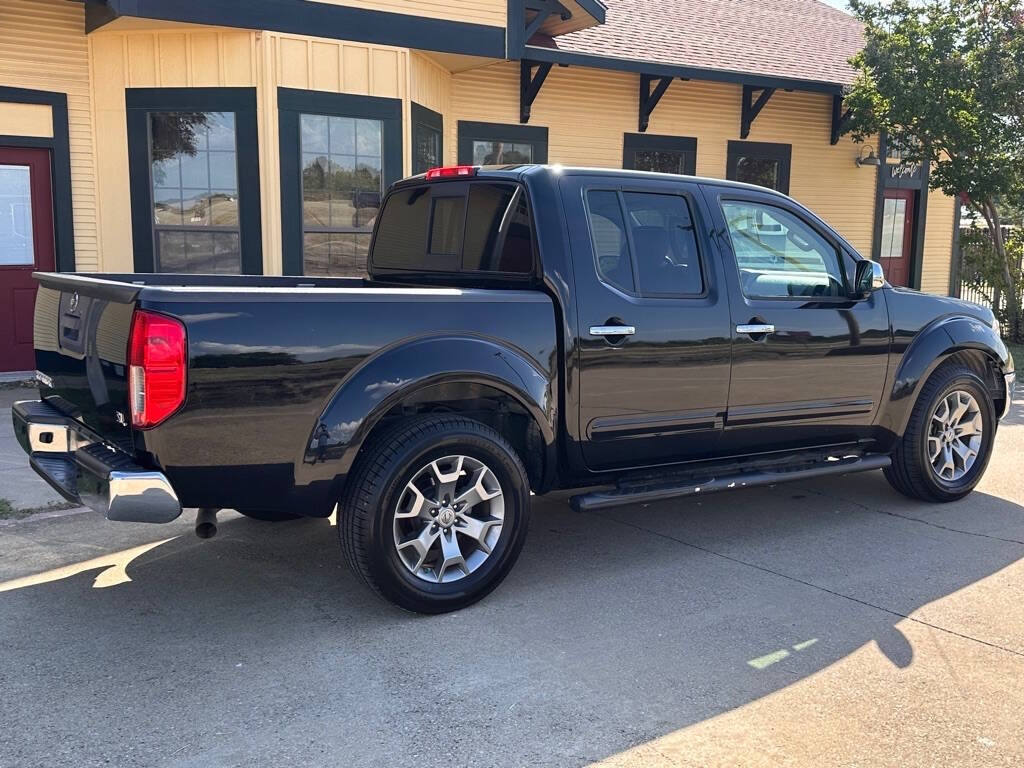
[[156, 368], [450, 171]]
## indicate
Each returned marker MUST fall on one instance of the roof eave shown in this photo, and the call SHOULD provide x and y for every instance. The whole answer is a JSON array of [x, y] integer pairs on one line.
[[558, 56]]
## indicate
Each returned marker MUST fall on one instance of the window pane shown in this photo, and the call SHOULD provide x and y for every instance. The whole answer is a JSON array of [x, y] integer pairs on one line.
[[780, 256], [313, 133], [402, 236], [894, 214], [446, 225], [487, 247], [194, 172], [665, 244], [501, 153], [663, 161], [16, 245], [608, 232], [426, 144], [758, 170], [198, 252]]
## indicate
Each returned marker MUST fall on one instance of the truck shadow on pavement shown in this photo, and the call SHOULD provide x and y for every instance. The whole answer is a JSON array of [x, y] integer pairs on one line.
[[613, 629]]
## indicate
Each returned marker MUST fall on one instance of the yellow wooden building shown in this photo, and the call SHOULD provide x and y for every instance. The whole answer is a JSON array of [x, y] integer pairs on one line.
[[205, 135]]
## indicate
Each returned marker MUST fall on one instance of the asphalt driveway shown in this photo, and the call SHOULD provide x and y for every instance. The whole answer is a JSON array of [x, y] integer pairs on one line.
[[823, 623]]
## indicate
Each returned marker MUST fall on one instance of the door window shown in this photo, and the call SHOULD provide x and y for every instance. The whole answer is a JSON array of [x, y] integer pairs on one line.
[[16, 245], [778, 255], [894, 216], [645, 243], [194, 172], [342, 185]]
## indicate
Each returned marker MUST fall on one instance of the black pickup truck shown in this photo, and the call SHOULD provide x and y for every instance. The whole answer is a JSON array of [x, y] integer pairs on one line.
[[636, 336]]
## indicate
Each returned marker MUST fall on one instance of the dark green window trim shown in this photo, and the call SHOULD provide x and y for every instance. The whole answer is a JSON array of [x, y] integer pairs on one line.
[[242, 101], [423, 117], [60, 166], [291, 103], [633, 142], [470, 131]]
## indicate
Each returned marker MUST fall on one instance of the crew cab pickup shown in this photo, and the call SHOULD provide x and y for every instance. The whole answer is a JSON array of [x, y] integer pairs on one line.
[[632, 335]]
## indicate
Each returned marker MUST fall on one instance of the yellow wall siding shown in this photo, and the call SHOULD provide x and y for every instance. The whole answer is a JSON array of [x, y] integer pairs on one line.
[[938, 243], [334, 66], [430, 84], [175, 58], [587, 111], [43, 47], [35, 120], [490, 12]]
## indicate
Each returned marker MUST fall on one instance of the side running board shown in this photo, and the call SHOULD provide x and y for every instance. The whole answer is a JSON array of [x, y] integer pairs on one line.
[[709, 482]]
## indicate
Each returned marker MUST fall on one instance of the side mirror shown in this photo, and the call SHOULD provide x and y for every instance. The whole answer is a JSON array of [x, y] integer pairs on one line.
[[870, 277]]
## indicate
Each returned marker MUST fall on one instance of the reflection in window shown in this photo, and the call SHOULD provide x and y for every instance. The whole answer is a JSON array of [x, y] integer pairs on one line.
[[502, 152], [894, 216], [608, 231], [778, 255], [194, 171], [664, 244], [426, 147], [341, 192], [762, 171], [664, 161], [16, 215]]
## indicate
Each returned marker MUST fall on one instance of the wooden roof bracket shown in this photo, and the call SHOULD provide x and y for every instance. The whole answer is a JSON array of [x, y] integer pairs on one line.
[[751, 107]]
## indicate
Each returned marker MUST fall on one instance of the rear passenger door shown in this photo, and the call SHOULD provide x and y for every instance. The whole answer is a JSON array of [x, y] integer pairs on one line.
[[652, 321]]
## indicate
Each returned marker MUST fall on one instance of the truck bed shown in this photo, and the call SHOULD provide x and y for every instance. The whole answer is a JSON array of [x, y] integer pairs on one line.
[[266, 356]]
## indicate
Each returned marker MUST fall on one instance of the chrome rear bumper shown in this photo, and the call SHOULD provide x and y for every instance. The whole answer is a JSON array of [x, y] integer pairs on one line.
[[85, 470]]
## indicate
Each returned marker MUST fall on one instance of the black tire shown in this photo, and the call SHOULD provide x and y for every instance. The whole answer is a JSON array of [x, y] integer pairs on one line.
[[268, 515], [372, 493], [911, 472]]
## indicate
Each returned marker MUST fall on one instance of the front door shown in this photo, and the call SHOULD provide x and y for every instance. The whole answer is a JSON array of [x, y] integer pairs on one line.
[[26, 245], [809, 361], [897, 235], [653, 323]]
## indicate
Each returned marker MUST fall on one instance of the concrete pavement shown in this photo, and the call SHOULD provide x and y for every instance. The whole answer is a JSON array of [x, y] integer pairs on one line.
[[21, 489], [824, 623]]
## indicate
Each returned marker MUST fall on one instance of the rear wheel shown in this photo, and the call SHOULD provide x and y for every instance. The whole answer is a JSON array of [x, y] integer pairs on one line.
[[435, 513], [948, 440]]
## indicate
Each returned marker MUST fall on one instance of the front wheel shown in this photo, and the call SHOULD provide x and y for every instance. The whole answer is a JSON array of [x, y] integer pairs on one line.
[[434, 514], [948, 441]]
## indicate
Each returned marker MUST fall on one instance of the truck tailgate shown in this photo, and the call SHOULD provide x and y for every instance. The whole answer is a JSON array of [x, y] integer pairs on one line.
[[82, 327]]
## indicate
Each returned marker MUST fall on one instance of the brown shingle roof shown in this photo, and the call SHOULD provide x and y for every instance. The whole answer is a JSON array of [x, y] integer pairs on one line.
[[798, 39]]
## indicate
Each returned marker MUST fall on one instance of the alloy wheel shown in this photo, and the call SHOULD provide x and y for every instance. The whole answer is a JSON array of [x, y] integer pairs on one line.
[[448, 519], [955, 433]]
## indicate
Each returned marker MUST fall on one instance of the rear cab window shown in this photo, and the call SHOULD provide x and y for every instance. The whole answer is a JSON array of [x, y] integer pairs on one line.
[[456, 228]]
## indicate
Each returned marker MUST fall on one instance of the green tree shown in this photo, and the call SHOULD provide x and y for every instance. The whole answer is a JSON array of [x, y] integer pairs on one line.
[[945, 80]]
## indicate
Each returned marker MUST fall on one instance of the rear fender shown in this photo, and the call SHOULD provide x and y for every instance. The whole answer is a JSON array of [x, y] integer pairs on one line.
[[935, 344], [392, 375]]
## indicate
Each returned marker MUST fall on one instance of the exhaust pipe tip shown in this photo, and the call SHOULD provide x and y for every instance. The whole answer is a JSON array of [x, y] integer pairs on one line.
[[206, 523]]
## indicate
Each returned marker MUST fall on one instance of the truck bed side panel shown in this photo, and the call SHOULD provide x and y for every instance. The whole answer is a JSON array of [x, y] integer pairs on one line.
[[263, 364]]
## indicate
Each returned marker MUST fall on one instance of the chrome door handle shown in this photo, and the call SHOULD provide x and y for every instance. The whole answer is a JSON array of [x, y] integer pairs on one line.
[[612, 330], [753, 329]]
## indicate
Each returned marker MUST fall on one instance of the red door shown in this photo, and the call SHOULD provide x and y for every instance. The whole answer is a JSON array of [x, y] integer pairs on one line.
[[897, 235], [26, 244]]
